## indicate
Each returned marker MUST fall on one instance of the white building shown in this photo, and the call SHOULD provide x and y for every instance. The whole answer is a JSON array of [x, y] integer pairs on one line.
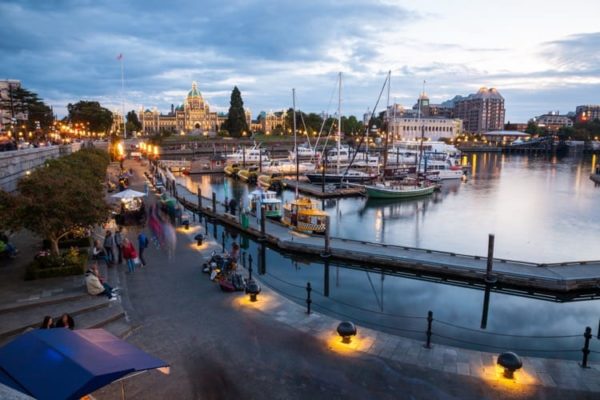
[[433, 128]]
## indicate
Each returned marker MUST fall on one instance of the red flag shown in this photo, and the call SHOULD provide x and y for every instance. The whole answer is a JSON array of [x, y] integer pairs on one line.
[[120, 56]]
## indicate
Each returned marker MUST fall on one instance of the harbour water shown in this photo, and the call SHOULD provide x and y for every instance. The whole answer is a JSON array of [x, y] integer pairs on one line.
[[540, 209]]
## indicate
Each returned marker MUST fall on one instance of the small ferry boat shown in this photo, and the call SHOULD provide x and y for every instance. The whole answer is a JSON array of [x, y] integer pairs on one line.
[[267, 198], [303, 215], [248, 175]]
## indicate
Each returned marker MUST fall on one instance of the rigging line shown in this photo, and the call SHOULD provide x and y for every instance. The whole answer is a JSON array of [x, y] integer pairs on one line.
[[325, 119], [362, 139], [507, 334]]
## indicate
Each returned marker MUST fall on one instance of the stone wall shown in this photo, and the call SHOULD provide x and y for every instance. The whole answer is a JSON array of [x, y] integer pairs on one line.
[[15, 164]]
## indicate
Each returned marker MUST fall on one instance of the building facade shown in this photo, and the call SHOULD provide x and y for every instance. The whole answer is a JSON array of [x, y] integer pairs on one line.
[[587, 113], [553, 121], [193, 115], [410, 124], [10, 113], [481, 112]]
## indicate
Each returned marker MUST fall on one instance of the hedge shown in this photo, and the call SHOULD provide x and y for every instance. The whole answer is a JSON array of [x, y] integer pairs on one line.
[[73, 262]]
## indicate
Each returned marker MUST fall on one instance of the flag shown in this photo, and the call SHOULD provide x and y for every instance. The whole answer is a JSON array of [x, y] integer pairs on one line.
[[120, 56]]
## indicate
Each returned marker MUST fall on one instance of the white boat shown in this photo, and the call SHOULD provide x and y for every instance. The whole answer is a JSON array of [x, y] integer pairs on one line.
[[268, 199], [248, 155], [286, 167], [304, 152]]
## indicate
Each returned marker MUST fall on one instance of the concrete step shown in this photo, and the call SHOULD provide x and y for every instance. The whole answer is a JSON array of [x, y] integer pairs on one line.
[[17, 320], [57, 299], [101, 317]]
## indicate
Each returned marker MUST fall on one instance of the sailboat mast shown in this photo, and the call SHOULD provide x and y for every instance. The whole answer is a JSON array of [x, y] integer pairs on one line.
[[339, 135], [295, 143]]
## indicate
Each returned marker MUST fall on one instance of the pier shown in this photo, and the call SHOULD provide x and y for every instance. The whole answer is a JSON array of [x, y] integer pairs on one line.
[[566, 278]]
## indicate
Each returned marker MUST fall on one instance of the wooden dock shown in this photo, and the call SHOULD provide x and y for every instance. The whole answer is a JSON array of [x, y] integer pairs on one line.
[[331, 190], [566, 279]]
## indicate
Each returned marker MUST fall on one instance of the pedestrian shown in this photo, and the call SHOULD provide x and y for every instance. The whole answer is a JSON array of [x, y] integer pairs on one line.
[[119, 244], [142, 244], [96, 286], [65, 321], [109, 243], [129, 254], [232, 206], [47, 323]]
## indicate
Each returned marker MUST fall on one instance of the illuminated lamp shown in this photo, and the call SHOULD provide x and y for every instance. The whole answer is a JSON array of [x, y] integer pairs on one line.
[[510, 362], [346, 330], [253, 289]]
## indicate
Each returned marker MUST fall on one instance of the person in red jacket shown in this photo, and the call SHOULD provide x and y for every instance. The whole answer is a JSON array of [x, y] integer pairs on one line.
[[129, 254]]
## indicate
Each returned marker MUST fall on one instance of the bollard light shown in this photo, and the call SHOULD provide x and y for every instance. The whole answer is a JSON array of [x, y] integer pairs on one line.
[[510, 362], [346, 330], [199, 238], [253, 289]]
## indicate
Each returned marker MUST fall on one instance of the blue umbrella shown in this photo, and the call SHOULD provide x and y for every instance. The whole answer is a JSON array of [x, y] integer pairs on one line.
[[65, 364]]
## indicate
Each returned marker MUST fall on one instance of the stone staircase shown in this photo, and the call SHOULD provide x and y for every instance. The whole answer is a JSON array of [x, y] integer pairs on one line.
[[88, 312]]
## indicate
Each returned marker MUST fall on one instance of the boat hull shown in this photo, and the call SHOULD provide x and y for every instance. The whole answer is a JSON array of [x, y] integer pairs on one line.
[[405, 193]]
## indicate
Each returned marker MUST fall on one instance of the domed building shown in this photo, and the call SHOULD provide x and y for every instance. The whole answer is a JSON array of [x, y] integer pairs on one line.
[[193, 116]]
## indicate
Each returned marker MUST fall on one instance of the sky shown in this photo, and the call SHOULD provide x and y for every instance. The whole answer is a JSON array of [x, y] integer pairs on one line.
[[540, 55]]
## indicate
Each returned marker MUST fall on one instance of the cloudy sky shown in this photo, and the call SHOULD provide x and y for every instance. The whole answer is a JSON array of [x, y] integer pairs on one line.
[[541, 55]]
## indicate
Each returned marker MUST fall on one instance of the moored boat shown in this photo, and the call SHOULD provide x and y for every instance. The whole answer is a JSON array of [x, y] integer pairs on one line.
[[399, 190], [268, 199], [303, 215]]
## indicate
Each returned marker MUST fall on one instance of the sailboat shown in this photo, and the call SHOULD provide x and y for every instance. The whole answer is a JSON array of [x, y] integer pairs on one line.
[[349, 175], [302, 214], [406, 188]]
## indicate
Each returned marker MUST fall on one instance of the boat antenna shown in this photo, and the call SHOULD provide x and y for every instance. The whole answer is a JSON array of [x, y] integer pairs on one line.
[[295, 143], [387, 124]]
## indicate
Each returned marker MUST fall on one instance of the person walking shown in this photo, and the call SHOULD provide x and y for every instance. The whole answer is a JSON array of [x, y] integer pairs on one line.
[[119, 244], [109, 243], [142, 244], [129, 254]]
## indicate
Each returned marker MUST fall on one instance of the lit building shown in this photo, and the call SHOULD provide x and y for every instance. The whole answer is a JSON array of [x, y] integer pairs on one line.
[[193, 115], [553, 121], [480, 112], [587, 113], [8, 109], [410, 124], [270, 120]]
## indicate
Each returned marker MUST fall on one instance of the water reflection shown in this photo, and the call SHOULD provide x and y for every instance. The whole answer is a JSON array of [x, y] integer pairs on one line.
[[540, 208]]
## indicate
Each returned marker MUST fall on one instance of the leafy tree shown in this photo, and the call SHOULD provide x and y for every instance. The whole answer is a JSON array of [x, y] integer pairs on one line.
[[63, 197], [236, 122], [133, 123], [99, 118]]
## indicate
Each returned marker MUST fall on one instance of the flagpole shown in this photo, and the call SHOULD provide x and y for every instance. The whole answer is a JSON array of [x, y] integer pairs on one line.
[[123, 96]]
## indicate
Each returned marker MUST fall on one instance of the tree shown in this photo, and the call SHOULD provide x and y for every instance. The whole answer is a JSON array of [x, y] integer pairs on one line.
[[99, 118], [133, 123], [64, 196], [236, 122]]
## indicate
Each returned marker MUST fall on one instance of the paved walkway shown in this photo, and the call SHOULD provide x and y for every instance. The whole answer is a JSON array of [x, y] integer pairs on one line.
[[222, 346]]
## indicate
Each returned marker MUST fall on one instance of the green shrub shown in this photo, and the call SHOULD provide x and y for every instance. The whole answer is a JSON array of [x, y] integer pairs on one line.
[[72, 262]]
